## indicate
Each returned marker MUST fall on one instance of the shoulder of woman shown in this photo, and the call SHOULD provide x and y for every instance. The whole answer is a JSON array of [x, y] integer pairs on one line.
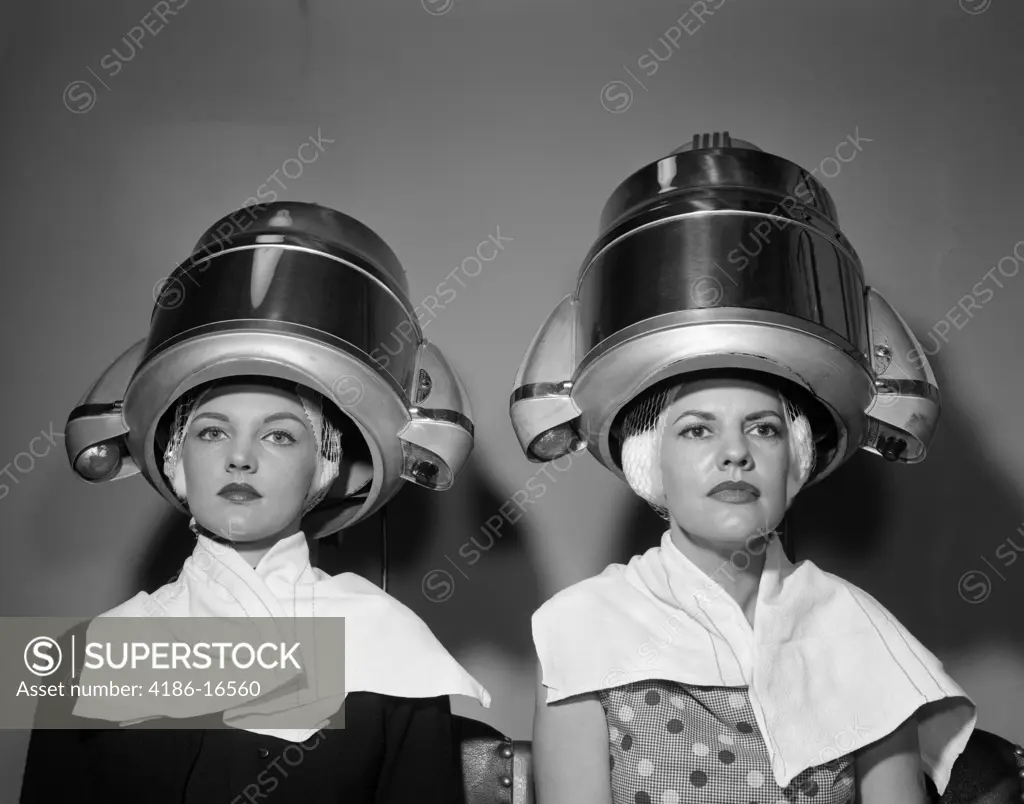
[[54, 710], [142, 604], [588, 603], [822, 579], [73, 641], [374, 609]]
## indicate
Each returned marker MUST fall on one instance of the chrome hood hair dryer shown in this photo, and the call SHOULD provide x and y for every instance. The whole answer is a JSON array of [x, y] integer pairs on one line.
[[300, 293], [722, 256]]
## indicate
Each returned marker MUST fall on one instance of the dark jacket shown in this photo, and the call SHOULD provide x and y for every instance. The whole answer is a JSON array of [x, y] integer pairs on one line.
[[390, 751]]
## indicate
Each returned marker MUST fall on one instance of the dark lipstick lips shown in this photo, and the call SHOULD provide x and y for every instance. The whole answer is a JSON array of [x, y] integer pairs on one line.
[[237, 489], [735, 486]]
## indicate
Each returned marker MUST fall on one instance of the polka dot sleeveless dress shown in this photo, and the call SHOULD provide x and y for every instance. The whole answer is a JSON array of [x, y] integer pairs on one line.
[[678, 744]]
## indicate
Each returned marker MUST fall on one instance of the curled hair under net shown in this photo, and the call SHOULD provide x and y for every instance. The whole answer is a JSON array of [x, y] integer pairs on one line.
[[644, 427], [326, 436]]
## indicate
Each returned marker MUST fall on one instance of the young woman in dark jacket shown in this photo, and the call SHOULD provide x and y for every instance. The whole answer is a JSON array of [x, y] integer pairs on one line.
[[240, 410]]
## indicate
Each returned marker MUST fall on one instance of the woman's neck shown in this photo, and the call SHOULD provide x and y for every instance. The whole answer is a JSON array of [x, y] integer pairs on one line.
[[735, 567], [254, 551]]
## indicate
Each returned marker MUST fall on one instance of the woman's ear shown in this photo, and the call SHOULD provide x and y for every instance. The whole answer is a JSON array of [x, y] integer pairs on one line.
[[801, 452], [178, 480]]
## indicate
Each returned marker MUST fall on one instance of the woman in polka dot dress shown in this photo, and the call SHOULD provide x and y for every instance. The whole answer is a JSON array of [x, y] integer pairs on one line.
[[715, 752], [711, 669]]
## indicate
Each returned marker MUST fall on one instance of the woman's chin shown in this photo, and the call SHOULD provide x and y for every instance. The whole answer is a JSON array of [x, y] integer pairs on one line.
[[742, 521], [734, 529], [241, 527]]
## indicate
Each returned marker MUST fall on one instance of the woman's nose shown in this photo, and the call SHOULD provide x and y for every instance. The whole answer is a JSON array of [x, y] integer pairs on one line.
[[735, 452], [241, 459]]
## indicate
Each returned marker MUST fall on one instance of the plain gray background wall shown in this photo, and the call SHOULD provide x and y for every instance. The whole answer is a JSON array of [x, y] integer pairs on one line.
[[449, 121]]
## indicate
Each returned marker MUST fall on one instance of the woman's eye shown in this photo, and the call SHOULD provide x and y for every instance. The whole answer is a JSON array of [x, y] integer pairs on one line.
[[211, 433], [766, 430], [694, 430], [281, 437]]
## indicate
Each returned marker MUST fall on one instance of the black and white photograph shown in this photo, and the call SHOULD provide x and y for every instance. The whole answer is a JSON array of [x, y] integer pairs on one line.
[[478, 402]]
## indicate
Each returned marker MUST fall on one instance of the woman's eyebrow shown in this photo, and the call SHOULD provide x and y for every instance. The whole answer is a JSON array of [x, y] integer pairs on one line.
[[700, 414], [761, 414], [210, 415], [710, 417], [275, 417]]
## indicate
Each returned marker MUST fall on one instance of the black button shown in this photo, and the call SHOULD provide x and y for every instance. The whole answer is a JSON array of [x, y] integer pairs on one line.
[[264, 753]]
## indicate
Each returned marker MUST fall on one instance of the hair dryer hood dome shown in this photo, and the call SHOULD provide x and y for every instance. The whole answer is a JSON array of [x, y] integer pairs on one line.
[[722, 256], [295, 292]]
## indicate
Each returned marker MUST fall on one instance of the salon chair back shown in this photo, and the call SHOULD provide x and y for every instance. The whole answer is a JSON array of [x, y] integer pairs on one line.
[[989, 771], [498, 770], [495, 769]]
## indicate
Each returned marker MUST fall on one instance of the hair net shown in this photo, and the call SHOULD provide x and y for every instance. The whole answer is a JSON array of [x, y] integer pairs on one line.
[[326, 437]]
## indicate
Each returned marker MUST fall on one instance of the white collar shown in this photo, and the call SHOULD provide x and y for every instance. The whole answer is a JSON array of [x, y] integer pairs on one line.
[[286, 563], [661, 617], [387, 648]]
